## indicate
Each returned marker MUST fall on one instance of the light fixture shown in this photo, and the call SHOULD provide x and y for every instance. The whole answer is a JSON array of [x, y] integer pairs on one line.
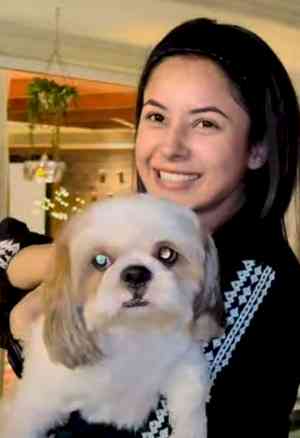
[[44, 170]]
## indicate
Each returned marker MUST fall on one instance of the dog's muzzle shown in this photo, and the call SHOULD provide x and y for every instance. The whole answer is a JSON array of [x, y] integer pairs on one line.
[[136, 278]]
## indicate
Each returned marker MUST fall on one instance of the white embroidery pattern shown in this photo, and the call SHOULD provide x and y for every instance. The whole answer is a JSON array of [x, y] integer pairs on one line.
[[8, 248], [241, 303], [155, 425]]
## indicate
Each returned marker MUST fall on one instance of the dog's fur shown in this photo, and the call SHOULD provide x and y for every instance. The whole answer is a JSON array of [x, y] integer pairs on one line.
[[109, 349]]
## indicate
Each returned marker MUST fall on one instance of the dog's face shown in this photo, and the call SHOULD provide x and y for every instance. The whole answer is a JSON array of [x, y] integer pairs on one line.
[[138, 263]]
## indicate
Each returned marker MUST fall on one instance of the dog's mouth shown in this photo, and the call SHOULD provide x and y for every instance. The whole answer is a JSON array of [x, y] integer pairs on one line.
[[135, 302]]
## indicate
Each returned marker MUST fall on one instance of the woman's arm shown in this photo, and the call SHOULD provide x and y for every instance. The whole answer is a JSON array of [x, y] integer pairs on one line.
[[28, 268], [14, 236]]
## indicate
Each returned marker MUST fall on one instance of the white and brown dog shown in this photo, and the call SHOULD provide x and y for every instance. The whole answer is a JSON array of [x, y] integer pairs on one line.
[[132, 295]]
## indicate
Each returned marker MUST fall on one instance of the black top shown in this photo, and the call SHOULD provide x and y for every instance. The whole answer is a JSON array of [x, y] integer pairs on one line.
[[255, 365]]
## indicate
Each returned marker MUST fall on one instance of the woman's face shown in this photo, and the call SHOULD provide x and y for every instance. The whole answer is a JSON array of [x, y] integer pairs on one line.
[[192, 140]]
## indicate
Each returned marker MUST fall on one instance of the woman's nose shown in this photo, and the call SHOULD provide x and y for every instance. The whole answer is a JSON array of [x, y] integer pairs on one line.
[[174, 143]]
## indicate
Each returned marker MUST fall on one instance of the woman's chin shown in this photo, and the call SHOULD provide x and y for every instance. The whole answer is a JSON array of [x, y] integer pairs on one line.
[[181, 197]]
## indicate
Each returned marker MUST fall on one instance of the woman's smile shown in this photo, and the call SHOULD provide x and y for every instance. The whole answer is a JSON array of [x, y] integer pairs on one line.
[[175, 180]]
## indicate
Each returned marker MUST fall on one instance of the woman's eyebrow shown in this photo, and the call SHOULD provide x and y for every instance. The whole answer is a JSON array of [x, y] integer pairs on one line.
[[153, 102], [206, 109]]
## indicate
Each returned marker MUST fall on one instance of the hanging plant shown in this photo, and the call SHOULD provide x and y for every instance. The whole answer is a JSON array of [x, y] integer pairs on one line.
[[48, 100]]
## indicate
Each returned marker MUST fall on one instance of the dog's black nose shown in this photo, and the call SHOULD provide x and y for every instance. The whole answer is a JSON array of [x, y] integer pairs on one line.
[[136, 276]]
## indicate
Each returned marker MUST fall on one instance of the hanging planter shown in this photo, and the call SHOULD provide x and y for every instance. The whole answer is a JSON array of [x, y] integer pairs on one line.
[[48, 102]]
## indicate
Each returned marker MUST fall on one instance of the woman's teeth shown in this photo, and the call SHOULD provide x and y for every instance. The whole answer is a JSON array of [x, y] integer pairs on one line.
[[177, 177]]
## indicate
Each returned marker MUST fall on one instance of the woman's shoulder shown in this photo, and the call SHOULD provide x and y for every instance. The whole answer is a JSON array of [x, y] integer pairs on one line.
[[273, 249], [258, 269], [249, 238], [260, 277]]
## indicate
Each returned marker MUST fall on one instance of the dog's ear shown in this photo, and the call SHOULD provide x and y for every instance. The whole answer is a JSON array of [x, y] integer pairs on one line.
[[209, 311], [65, 334]]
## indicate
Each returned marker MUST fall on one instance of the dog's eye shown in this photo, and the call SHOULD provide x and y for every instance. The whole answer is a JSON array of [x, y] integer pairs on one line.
[[167, 255], [101, 261]]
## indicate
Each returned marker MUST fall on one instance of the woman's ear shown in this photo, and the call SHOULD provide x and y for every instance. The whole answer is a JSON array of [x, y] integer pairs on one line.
[[65, 333], [258, 156]]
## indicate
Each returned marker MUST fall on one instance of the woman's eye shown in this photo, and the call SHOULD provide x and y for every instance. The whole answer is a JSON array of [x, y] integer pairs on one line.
[[155, 117], [167, 255], [204, 123], [101, 262]]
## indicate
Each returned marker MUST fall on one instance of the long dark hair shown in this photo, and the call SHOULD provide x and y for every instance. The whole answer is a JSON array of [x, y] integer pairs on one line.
[[264, 90]]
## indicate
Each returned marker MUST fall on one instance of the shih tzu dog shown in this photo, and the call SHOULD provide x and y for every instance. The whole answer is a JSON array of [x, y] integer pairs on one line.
[[132, 295]]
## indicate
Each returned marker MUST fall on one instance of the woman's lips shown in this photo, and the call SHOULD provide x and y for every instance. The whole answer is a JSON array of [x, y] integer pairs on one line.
[[175, 180], [177, 177]]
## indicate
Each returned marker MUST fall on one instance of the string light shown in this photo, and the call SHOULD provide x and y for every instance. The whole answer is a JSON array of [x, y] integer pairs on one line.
[[62, 205]]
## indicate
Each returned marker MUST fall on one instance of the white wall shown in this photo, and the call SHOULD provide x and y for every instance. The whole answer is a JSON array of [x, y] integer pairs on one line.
[[23, 195]]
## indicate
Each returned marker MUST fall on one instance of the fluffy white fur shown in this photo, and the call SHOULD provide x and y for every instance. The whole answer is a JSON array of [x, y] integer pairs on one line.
[[109, 349]]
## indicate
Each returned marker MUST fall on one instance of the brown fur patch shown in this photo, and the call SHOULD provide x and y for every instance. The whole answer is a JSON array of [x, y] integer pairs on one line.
[[209, 308], [65, 334]]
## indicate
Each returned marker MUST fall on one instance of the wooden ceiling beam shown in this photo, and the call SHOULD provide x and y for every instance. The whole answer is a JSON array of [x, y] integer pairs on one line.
[[82, 118], [99, 105], [18, 87], [87, 102]]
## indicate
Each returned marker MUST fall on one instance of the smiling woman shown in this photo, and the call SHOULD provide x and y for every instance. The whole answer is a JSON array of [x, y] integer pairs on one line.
[[219, 134], [192, 144]]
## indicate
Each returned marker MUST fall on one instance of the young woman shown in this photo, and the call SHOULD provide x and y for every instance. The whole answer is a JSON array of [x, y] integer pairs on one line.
[[218, 131]]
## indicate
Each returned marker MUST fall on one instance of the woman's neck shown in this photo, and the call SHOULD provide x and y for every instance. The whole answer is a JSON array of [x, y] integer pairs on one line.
[[213, 218]]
